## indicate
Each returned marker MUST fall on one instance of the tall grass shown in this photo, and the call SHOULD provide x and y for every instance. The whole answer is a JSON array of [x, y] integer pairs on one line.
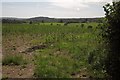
[[14, 60]]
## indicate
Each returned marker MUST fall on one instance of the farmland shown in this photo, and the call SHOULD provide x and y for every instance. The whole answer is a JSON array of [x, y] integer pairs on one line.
[[54, 50]]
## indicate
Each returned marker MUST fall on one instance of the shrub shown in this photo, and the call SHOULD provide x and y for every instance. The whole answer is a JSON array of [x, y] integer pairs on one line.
[[51, 24], [91, 58], [30, 22], [89, 26], [112, 13], [82, 25]]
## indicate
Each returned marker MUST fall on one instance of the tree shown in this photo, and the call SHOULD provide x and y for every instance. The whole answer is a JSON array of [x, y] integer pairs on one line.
[[112, 65], [61, 21], [42, 21], [30, 22]]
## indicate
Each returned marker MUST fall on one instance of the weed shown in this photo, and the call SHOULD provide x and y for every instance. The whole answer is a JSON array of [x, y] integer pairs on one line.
[[13, 60]]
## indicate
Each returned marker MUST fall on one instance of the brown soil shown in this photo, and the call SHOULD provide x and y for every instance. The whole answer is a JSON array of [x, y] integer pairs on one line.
[[33, 48], [13, 45], [18, 71], [81, 74]]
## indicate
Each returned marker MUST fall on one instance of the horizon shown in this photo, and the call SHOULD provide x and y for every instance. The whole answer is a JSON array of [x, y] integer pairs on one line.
[[50, 17]]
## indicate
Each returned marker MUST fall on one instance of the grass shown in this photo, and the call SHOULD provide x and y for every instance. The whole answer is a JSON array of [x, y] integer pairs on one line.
[[71, 47], [13, 60], [48, 64]]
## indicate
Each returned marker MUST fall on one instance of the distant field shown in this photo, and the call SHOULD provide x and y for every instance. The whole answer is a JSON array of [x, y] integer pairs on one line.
[[55, 49]]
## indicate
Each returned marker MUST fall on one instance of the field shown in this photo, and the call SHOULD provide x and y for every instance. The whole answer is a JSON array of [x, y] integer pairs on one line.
[[54, 50]]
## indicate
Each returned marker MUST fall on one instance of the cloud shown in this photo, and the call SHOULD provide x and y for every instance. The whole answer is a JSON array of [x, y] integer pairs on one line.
[[79, 0], [69, 4], [97, 0], [56, 0], [78, 4]]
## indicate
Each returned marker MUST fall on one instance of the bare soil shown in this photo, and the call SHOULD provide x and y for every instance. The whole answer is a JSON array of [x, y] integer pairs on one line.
[[15, 45]]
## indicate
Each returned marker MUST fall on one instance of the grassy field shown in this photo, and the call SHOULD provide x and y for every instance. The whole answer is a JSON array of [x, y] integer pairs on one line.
[[55, 50]]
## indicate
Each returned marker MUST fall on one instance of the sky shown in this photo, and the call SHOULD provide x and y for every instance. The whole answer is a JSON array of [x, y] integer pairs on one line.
[[53, 8]]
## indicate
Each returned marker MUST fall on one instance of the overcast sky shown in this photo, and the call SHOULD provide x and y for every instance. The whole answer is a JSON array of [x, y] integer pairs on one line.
[[53, 8]]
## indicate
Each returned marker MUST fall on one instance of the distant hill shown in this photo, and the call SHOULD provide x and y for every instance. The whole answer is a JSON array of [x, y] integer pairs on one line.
[[12, 20], [47, 19]]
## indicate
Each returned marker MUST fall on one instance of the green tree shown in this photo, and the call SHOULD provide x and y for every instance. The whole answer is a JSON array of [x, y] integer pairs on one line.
[[112, 65], [61, 21], [42, 21], [30, 22]]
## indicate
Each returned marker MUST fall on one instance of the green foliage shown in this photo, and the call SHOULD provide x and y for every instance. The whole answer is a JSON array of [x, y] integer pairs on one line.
[[113, 31], [82, 25], [89, 26], [13, 60], [4, 78]]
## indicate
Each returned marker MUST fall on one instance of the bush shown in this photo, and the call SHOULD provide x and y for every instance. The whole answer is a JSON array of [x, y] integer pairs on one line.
[[91, 58], [51, 24], [112, 13], [89, 26], [30, 22], [13, 60], [82, 25]]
